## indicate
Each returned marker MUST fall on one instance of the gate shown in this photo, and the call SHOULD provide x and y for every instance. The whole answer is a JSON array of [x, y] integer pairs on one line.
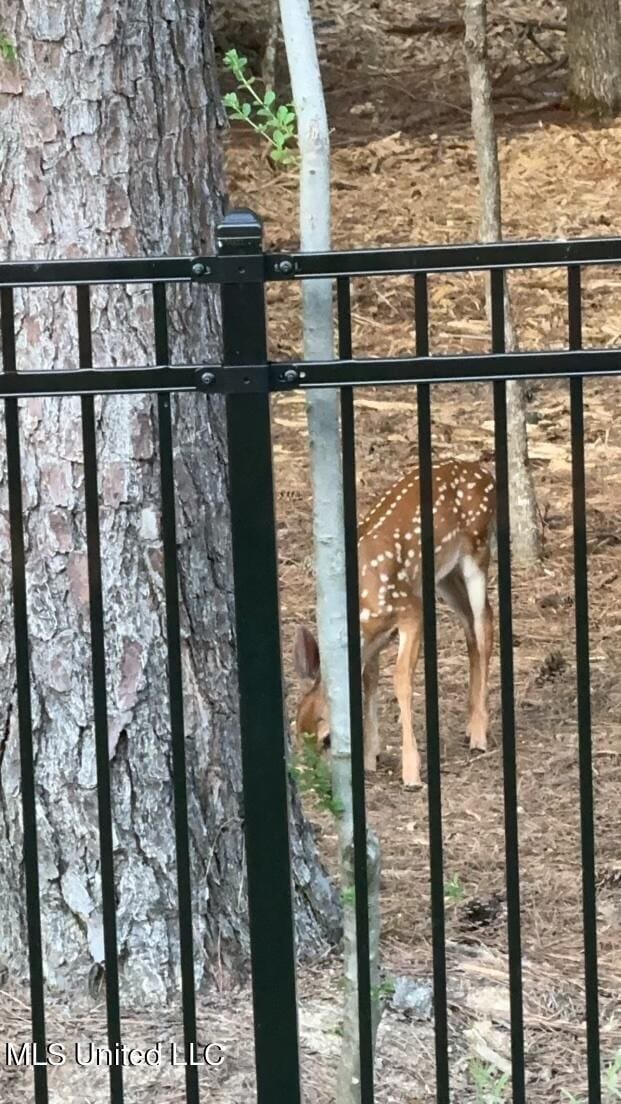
[[247, 377]]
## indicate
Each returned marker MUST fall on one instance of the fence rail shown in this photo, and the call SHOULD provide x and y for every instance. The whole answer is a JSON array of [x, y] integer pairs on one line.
[[245, 375], [242, 265]]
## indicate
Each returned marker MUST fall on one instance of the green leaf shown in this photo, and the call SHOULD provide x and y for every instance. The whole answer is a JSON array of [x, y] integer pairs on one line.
[[279, 138], [231, 100], [269, 97], [246, 110], [454, 890], [236, 63], [309, 767], [7, 49]]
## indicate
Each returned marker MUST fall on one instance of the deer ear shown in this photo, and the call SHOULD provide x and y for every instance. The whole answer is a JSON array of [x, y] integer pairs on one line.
[[306, 654]]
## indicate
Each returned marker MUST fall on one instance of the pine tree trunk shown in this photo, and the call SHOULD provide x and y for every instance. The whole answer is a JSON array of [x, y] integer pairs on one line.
[[594, 53], [111, 145], [525, 536]]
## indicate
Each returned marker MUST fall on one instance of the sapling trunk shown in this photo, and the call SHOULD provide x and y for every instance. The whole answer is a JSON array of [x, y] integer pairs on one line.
[[326, 471], [268, 72], [525, 534]]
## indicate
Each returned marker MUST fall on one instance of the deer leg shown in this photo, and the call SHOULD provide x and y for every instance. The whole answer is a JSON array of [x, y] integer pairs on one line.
[[452, 589], [475, 579], [479, 718], [407, 657], [370, 679]]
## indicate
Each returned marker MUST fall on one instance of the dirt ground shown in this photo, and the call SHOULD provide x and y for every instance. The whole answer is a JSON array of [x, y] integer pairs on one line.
[[404, 173]]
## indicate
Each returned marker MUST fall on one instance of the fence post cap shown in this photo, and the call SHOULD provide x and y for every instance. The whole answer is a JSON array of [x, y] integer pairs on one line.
[[240, 223]]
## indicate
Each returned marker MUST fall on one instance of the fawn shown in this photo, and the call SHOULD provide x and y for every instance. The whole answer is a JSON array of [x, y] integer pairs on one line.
[[389, 559]]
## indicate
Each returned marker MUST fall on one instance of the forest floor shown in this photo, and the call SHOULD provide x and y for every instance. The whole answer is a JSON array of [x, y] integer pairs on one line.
[[404, 173]]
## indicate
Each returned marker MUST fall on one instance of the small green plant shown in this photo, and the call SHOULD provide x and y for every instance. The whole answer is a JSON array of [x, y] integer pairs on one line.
[[490, 1085], [275, 122], [383, 991], [312, 772], [454, 890], [7, 49], [611, 1083], [349, 895], [612, 1077]]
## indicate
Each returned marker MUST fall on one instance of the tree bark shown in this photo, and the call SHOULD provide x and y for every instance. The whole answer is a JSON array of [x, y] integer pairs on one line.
[[525, 535], [111, 145], [594, 55], [268, 69]]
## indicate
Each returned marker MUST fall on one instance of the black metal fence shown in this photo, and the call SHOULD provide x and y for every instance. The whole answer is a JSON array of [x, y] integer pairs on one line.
[[247, 378]]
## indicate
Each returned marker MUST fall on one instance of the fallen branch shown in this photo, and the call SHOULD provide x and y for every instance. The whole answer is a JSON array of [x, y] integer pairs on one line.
[[456, 26]]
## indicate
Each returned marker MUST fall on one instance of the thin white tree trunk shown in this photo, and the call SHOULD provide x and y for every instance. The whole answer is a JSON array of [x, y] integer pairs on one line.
[[326, 468], [525, 535]]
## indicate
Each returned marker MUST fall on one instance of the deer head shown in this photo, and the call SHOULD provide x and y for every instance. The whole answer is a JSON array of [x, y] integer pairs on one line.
[[313, 716]]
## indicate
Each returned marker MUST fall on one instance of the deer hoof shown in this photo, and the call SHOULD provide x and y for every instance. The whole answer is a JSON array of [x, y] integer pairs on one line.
[[478, 749], [477, 739], [413, 787]]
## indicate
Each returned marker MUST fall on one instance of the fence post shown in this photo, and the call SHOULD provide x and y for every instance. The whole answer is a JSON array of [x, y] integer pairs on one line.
[[255, 572]]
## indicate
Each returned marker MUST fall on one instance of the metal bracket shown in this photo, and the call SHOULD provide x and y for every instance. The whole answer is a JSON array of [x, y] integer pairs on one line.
[[241, 269], [200, 270], [280, 266], [232, 379]]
